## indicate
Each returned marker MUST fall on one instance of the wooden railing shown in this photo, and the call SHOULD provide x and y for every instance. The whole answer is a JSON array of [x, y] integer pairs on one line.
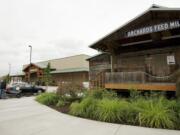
[[139, 77], [99, 81], [140, 81], [125, 77], [134, 77]]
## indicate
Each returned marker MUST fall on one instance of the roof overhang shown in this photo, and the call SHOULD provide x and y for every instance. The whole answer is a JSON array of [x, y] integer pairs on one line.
[[155, 10]]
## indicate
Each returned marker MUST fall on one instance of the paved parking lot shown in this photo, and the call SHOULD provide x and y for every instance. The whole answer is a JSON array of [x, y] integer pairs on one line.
[[25, 116]]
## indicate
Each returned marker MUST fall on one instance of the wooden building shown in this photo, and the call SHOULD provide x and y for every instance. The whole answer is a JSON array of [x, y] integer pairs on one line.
[[73, 69], [143, 54]]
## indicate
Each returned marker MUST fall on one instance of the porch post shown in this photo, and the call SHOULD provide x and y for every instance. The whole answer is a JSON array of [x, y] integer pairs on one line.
[[113, 58], [113, 62]]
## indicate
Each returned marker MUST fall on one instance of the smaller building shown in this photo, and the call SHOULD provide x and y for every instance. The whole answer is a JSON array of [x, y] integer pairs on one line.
[[73, 69], [18, 77]]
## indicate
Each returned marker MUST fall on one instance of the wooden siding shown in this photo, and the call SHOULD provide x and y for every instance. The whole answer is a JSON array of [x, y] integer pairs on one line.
[[98, 65], [33, 73], [152, 61], [76, 77]]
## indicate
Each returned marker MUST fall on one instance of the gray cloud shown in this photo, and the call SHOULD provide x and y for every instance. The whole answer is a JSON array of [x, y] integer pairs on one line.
[[59, 28]]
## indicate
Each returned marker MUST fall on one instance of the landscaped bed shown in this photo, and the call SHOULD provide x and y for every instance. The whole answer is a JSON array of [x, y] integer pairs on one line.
[[152, 110]]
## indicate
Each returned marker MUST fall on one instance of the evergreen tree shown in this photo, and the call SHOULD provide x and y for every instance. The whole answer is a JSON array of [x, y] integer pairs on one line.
[[47, 74]]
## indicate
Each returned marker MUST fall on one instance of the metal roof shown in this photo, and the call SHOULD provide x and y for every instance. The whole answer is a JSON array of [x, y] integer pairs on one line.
[[62, 63], [42, 64], [102, 53], [17, 74], [70, 70]]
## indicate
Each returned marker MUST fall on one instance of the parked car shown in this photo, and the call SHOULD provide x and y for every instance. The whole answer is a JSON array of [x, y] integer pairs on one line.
[[23, 88]]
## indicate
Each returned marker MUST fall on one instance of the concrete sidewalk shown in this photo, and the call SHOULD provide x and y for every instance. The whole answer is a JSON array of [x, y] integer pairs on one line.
[[25, 116]]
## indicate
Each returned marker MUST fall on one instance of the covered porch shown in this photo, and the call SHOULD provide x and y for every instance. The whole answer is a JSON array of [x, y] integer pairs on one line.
[[139, 81]]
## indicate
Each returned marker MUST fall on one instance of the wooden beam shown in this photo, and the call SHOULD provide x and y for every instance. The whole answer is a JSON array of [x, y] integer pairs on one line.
[[138, 42], [153, 86], [171, 37]]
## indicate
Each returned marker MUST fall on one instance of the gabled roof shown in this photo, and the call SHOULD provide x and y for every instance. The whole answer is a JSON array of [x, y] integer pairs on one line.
[[153, 8], [97, 55], [41, 65]]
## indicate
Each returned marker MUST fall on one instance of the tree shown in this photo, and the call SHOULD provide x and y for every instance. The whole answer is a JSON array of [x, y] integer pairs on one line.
[[47, 74]]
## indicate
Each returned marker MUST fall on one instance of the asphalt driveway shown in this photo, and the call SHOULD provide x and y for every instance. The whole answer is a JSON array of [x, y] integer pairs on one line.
[[25, 116]]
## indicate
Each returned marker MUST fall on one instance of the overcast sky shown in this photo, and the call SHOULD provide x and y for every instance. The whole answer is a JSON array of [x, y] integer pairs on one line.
[[60, 28]]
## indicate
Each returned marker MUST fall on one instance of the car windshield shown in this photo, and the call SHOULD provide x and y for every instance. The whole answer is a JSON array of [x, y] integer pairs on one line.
[[27, 85], [18, 84]]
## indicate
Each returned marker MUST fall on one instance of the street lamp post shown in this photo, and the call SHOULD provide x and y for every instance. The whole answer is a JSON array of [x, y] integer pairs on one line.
[[30, 62], [9, 68], [30, 52], [9, 78]]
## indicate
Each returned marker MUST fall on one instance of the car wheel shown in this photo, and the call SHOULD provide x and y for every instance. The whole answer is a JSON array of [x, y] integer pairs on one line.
[[39, 91], [18, 95]]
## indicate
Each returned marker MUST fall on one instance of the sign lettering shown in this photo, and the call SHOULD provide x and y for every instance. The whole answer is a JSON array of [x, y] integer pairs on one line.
[[154, 28]]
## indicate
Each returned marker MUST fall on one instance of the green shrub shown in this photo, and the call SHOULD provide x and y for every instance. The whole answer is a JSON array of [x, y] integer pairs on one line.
[[156, 95], [177, 111], [85, 108], [90, 106], [48, 98], [153, 111], [60, 103], [76, 109], [101, 93], [134, 93], [70, 99], [108, 110], [96, 94], [155, 114], [109, 94], [71, 88], [130, 114]]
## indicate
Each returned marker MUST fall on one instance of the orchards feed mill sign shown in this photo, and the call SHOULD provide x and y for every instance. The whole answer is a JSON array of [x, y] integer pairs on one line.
[[154, 28]]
